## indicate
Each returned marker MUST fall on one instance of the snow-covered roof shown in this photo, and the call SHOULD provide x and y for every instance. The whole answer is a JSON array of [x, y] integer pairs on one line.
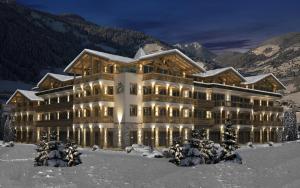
[[215, 72], [139, 53], [59, 77], [30, 95], [257, 78], [108, 56], [159, 53]]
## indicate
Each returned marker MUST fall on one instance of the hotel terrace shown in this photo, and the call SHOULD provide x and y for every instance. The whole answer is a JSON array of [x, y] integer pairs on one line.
[[114, 101]]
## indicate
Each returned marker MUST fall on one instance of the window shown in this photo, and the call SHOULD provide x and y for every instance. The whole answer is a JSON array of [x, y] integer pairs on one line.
[[133, 110], [162, 111], [199, 95], [133, 89], [147, 111], [175, 92], [110, 111], [175, 112], [147, 90], [208, 115], [147, 69], [162, 91], [110, 90]]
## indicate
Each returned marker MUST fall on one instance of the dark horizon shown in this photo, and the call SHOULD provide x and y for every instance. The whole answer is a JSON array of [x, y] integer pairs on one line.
[[218, 25]]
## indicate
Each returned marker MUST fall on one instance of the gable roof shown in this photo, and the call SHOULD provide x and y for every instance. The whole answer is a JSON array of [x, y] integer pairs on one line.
[[140, 55], [30, 95], [215, 72], [257, 78], [166, 52], [104, 55], [59, 77]]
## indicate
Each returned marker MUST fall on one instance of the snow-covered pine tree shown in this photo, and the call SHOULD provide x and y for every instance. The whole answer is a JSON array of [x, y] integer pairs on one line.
[[290, 126], [9, 134], [229, 144]]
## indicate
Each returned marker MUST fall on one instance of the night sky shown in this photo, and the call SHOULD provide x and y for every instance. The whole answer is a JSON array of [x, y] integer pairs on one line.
[[218, 25]]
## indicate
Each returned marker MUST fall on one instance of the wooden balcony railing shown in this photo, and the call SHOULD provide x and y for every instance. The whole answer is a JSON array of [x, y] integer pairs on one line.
[[54, 123], [166, 98], [201, 121], [267, 123], [93, 77], [162, 119], [102, 119], [168, 78], [268, 108], [204, 103], [93, 98], [54, 107], [23, 108]]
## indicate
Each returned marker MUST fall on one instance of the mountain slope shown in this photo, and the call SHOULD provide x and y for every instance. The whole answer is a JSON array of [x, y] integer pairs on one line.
[[199, 53], [32, 41], [279, 55]]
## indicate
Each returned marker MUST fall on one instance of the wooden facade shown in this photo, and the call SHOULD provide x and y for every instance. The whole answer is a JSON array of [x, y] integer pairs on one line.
[[167, 95]]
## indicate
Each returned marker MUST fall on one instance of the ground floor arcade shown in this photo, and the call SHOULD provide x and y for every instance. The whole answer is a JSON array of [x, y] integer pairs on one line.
[[157, 136]]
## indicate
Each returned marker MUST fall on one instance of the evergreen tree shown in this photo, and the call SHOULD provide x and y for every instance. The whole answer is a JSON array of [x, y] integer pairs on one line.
[[229, 144], [290, 126]]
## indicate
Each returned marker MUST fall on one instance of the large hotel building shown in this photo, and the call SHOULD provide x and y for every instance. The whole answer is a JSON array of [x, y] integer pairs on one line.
[[114, 101]]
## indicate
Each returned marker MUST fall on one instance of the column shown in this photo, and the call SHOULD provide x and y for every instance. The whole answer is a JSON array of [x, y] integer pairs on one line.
[[92, 136], [252, 135], [119, 137], [237, 134], [153, 136], [261, 135], [139, 135], [101, 136], [78, 137], [207, 134], [74, 132], [84, 137], [37, 134], [156, 137], [186, 133], [105, 138], [221, 133], [21, 134], [49, 131], [57, 129], [27, 134], [268, 134], [167, 136], [171, 137], [68, 133]]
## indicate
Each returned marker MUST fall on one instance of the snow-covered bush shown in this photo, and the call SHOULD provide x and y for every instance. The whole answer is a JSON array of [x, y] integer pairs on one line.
[[55, 153], [95, 148], [200, 150], [290, 126], [270, 143], [250, 144]]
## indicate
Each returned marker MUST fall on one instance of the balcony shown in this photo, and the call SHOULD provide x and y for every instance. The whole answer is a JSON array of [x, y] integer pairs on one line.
[[164, 119], [202, 121], [204, 103], [268, 108], [54, 123], [168, 78], [23, 108], [232, 104], [85, 120], [166, 98], [93, 77], [93, 98], [54, 107], [267, 123]]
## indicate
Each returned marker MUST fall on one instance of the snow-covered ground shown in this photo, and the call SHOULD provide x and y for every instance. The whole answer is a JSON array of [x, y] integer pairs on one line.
[[263, 166]]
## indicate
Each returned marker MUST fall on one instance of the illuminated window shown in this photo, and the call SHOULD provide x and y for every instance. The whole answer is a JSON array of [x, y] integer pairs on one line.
[[133, 110]]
